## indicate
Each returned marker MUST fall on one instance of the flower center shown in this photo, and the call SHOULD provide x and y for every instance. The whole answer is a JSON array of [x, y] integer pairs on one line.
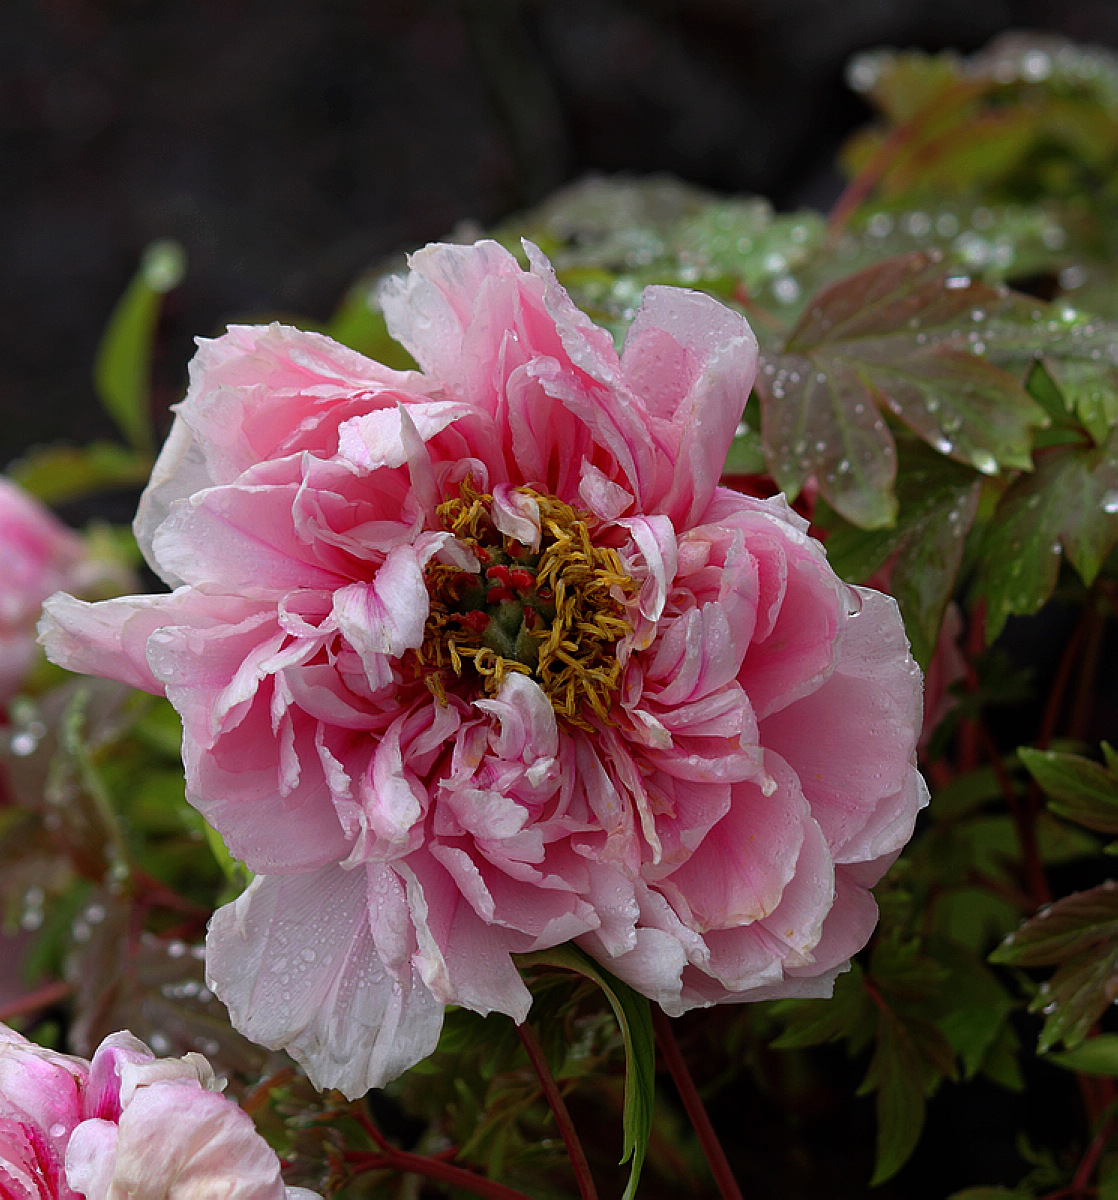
[[555, 614]]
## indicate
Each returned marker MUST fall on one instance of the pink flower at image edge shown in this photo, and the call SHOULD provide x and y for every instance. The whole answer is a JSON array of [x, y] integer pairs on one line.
[[125, 1124], [480, 659], [40, 555]]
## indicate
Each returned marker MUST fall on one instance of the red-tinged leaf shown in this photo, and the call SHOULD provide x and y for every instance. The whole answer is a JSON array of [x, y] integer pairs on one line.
[[819, 419], [1081, 921], [904, 335], [1081, 790], [1079, 992], [1069, 504]]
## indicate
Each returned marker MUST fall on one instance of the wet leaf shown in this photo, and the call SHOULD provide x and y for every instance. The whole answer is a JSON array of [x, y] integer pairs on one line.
[[896, 336], [1079, 935], [937, 502], [1068, 505], [1081, 790]]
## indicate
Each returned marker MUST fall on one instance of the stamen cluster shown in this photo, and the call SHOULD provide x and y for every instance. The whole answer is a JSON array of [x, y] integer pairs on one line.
[[555, 614]]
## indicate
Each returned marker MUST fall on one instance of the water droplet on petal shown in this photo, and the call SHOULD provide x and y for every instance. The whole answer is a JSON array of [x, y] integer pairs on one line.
[[1110, 501]]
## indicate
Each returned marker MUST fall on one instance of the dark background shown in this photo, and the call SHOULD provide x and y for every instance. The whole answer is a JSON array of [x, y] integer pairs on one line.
[[291, 144]]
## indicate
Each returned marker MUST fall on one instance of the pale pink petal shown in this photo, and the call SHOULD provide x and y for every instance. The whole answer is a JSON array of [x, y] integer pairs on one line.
[[294, 961], [692, 362], [853, 741]]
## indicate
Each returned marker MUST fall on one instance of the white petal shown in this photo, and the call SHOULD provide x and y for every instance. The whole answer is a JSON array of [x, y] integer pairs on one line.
[[294, 961]]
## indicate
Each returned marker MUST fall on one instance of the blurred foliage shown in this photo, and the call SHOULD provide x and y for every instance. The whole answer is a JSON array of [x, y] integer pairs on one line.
[[938, 393]]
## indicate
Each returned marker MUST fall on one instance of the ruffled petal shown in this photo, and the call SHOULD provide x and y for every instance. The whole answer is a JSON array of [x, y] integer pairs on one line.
[[294, 961]]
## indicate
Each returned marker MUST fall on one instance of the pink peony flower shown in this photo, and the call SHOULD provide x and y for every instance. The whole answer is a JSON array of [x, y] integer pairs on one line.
[[39, 556], [480, 660], [125, 1125]]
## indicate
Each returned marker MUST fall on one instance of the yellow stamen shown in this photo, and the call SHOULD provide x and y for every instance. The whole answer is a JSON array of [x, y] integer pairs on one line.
[[585, 585]]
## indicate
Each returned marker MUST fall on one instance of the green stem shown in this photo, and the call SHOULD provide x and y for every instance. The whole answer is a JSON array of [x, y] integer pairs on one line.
[[559, 1110], [692, 1102]]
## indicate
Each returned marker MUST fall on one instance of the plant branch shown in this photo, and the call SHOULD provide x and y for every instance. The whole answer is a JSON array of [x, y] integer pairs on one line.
[[692, 1102], [558, 1107], [43, 997], [394, 1159]]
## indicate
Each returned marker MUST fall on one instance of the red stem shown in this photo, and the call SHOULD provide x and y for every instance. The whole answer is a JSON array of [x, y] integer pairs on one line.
[[692, 1102], [48, 994], [559, 1110], [395, 1159], [858, 190]]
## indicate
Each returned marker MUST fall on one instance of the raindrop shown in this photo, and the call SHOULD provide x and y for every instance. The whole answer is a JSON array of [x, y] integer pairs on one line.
[[160, 1042], [176, 949], [1072, 277], [942, 444], [844, 466], [1045, 912], [23, 743], [198, 952], [1110, 501], [985, 462], [31, 919], [95, 913], [918, 224], [57, 1130], [308, 955], [1049, 1008], [786, 289], [947, 224], [879, 225], [81, 931], [976, 314], [853, 602], [1035, 66], [775, 262]]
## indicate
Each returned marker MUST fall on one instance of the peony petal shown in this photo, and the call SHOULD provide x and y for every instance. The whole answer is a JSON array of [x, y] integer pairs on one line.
[[691, 361], [294, 961]]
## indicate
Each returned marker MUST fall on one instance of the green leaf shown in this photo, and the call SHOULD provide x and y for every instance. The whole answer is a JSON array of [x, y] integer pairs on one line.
[[904, 335], [56, 474], [634, 1018], [1079, 935], [1095, 1056], [1062, 929], [937, 505], [896, 1073], [1079, 789], [848, 1013], [123, 364], [1069, 504], [978, 1007]]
